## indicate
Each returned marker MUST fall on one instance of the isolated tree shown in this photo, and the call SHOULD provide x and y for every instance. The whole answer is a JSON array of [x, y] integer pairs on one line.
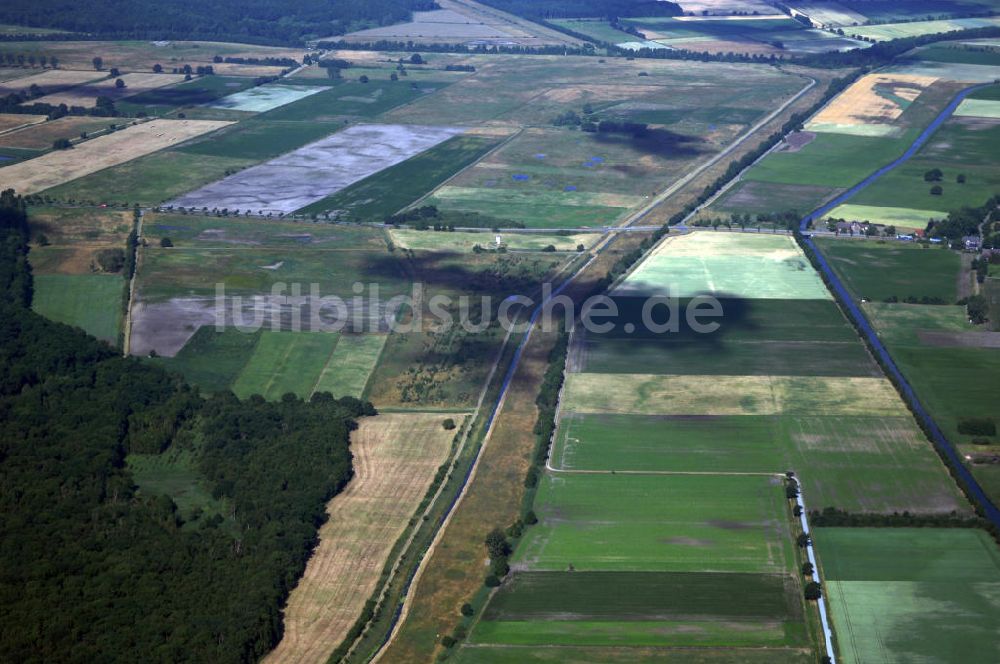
[[530, 518], [166, 242], [497, 545], [114, 72], [448, 424], [936, 190], [157, 68], [807, 568], [54, 61], [119, 84], [61, 144], [960, 178], [813, 591], [187, 69], [393, 76], [363, 79], [933, 175], [98, 62], [467, 609], [416, 59]]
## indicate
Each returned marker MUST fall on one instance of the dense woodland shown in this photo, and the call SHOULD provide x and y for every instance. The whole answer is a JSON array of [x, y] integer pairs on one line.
[[266, 21], [94, 568]]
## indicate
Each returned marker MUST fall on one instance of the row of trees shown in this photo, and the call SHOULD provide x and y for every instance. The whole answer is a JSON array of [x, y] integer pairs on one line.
[[29, 59], [96, 568]]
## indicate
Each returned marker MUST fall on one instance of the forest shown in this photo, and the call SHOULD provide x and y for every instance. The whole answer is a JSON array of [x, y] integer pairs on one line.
[[264, 21], [93, 567]]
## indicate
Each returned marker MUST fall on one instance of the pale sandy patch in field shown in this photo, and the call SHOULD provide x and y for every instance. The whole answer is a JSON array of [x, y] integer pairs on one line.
[[657, 394], [711, 243], [61, 166], [395, 458], [829, 13], [861, 104], [86, 95], [979, 108]]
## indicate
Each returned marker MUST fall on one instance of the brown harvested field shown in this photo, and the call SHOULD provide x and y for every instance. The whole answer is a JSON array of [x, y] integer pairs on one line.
[[49, 81], [861, 104], [731, 46], [75, 235], [60, 166], [230, 69], [136, 83], [11, 121], [395, 458], [40, 136]]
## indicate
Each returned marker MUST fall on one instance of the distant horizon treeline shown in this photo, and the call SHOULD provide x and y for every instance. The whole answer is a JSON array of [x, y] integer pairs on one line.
[[267, 21]]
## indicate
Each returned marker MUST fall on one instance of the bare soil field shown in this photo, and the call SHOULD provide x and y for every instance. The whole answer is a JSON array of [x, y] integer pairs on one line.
[[136, 83], [49, 81], [74, 237], [395, 458], [317, 170], [62, 166]]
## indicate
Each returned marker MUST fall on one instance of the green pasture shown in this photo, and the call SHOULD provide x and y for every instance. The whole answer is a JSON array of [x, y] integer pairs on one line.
[[979, 108], [174, 473], [464, 242], [682, 523], [92, 302], [392, 189], [258, 139], [351, 363], [960, 54], [754, 197], [901, 594], [285, 362], [194, 231], [597, 29], [875, 464], [721, 357], [830, 160], [903, 218], [890, 31], [745, 266], [212, 359], [876, 270], [643, 609], [149, 180], [352, 98], [495, 654], [202, 90]]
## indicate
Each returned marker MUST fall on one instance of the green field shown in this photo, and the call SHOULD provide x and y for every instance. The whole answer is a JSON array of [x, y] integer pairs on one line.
[[760, 198], [644, 609], [92, 302], [876, 270], [394, 188], [720, 357], [962, 146], [682, 523], [830, 160], [174, 473], [149, 180], [201, 90], [917, 28], [258, 139], [912, 594], [727, 265], [597, 29], [873, 464], [212, 359], [464, 242], [285, 362], [352, 362], [904, 219]]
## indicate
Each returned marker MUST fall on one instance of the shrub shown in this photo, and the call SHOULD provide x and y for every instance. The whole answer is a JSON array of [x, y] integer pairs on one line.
[[448, 642], [448, 424], [813, 591], [936, 190], [467, 609], [977, 427], [491, 581]]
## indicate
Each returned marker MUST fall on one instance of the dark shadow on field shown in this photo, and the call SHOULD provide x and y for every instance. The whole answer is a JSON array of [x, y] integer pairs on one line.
[[659, 142], [467, 273], [736, 318]]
